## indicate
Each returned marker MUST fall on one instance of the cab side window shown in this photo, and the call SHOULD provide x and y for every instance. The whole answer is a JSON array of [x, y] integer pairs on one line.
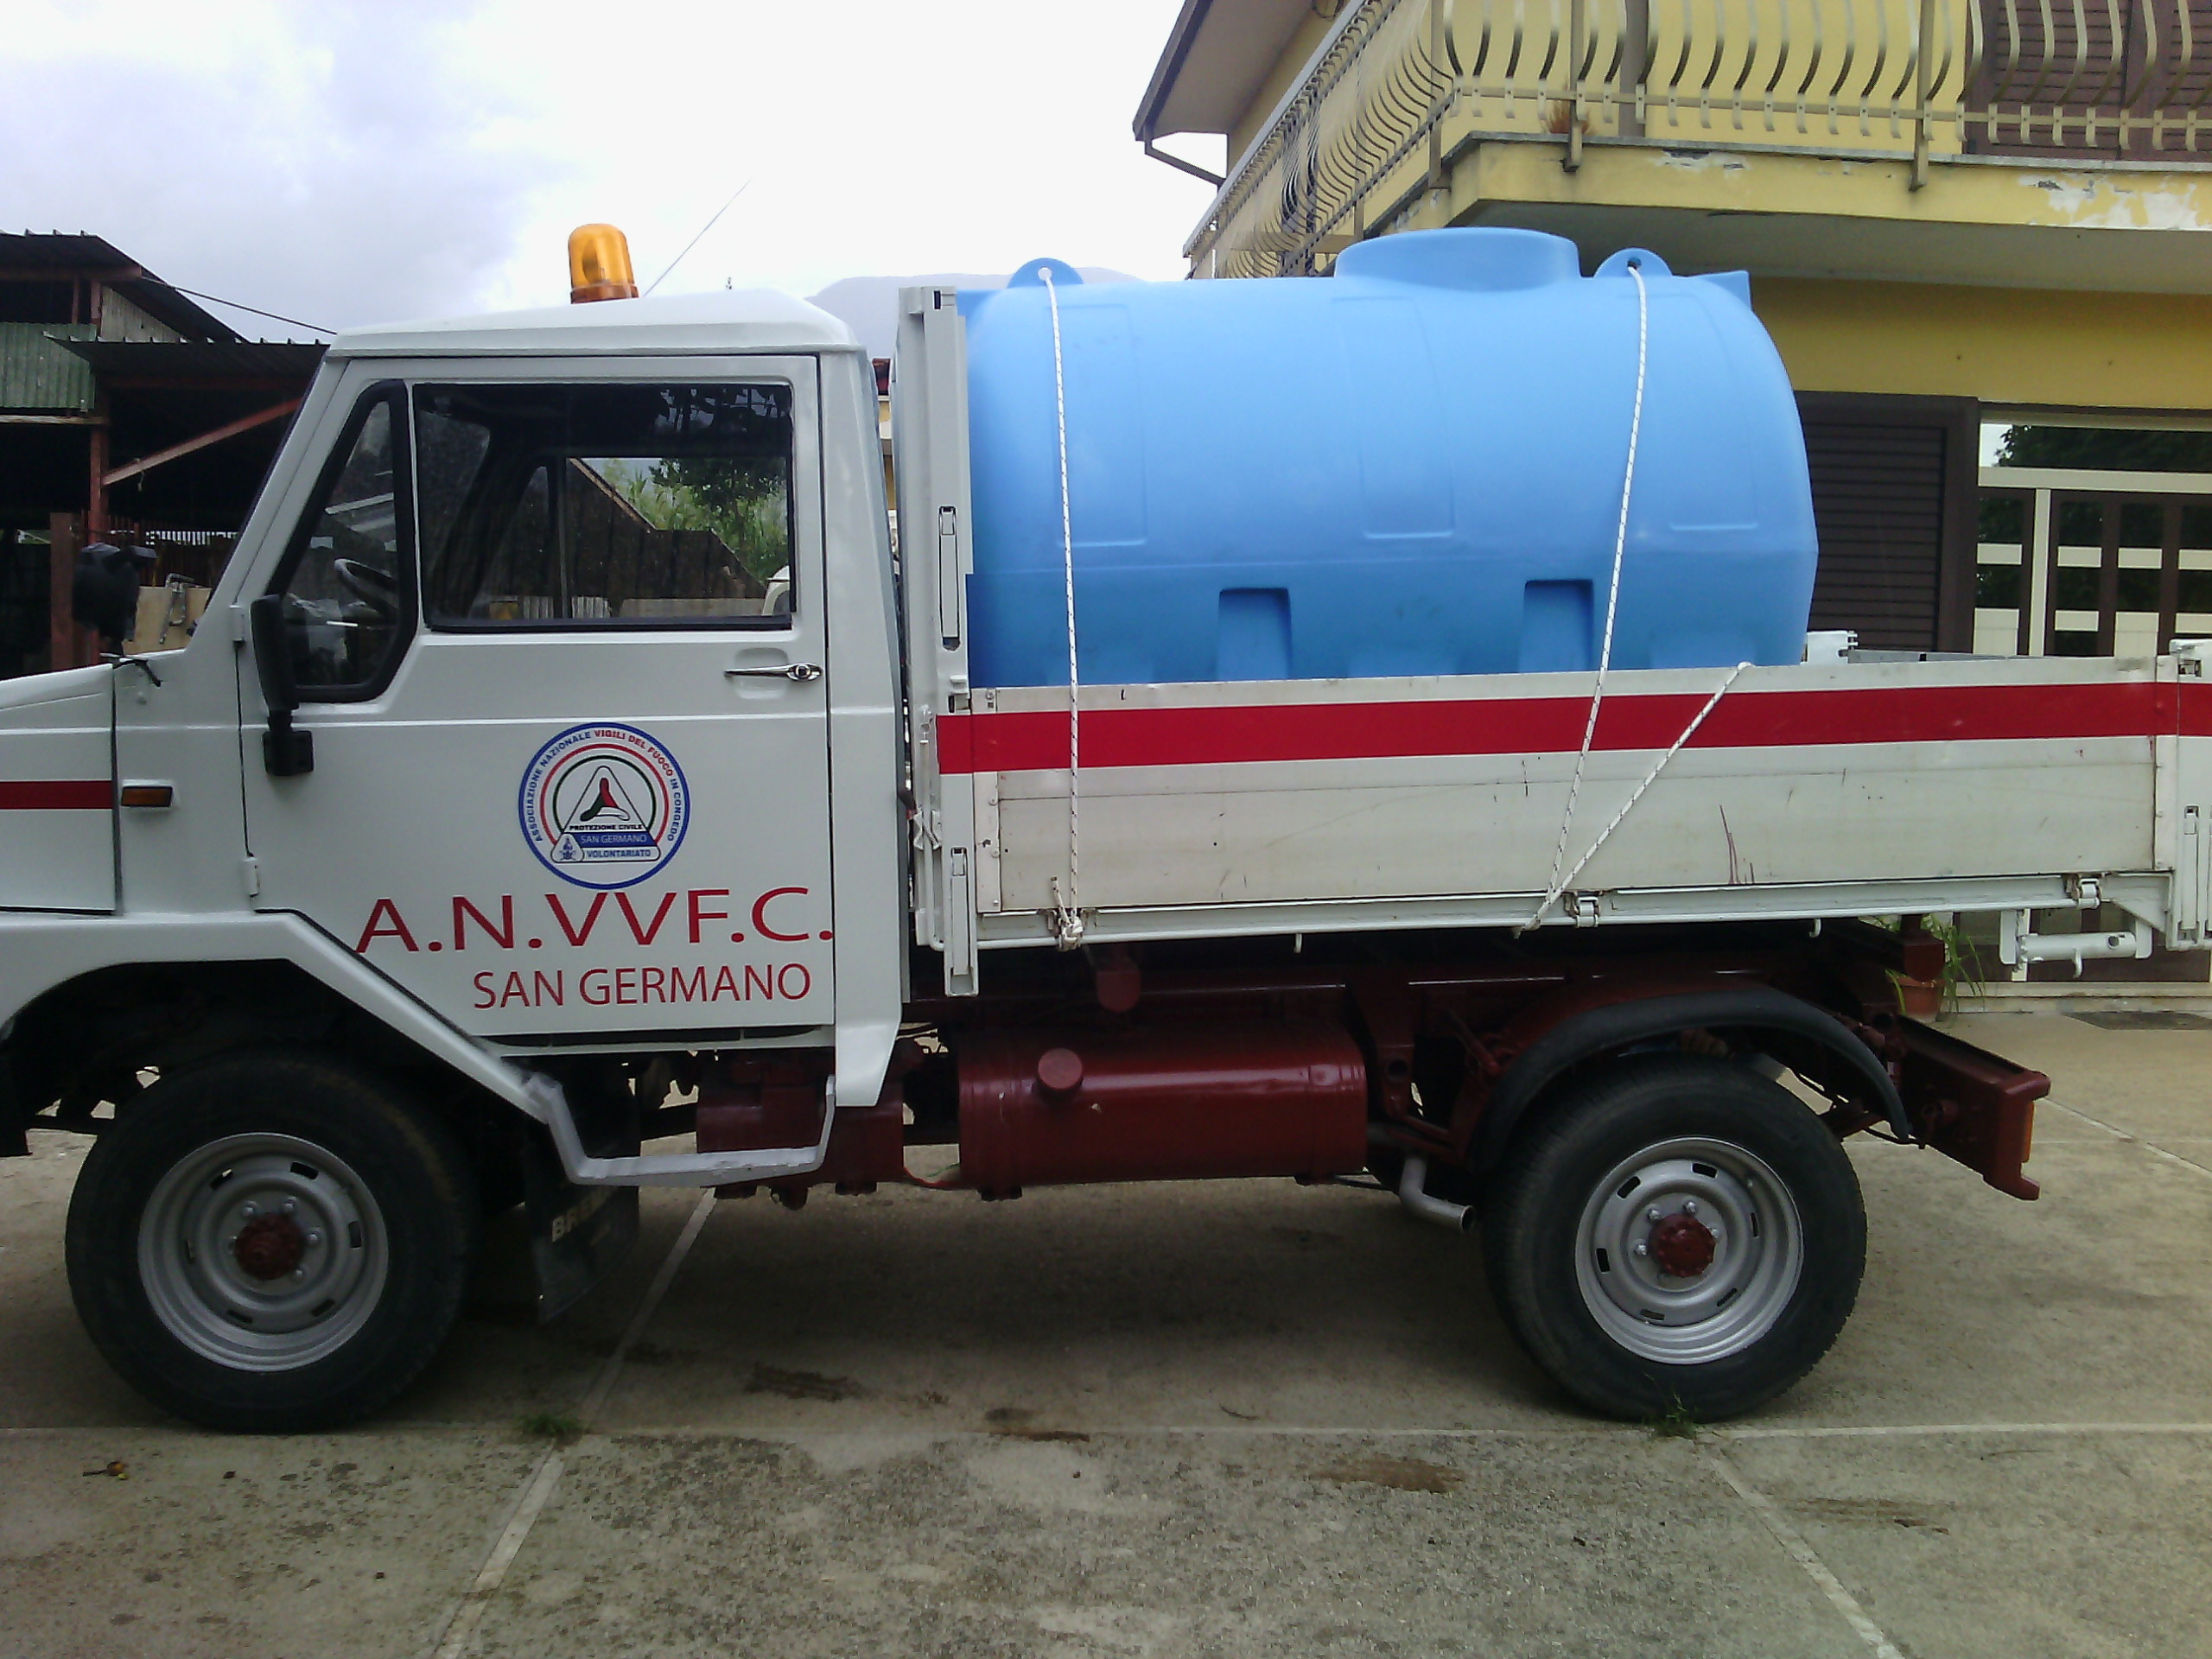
[[346, 582], [599, 506]]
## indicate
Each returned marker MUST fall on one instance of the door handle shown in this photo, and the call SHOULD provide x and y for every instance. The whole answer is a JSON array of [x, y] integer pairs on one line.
[[803, 672]]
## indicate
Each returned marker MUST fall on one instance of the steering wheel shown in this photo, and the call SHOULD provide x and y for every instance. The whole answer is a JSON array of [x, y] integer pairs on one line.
[[373, 588]]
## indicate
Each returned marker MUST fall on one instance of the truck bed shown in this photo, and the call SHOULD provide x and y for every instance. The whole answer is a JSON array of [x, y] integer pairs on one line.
[[1833, 789]]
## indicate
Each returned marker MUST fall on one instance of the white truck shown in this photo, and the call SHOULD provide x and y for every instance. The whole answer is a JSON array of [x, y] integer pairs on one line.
[[501, 837]]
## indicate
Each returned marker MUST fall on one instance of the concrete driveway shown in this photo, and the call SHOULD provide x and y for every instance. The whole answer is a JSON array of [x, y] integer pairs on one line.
[[1235, 1419]]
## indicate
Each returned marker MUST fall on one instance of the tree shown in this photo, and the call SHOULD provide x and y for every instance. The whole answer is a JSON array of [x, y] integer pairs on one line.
[[744, 502], [2114, 449]]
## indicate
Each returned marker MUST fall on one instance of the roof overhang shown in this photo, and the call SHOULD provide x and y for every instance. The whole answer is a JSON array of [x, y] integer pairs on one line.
[[722, 321], [1215, 62], [210, 363], [1977, 221]]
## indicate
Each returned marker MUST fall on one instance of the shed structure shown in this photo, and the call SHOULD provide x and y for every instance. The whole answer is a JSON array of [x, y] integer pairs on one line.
[[127, 411]]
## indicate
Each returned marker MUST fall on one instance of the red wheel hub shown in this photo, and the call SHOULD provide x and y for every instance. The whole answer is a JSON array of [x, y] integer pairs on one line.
[[268, 1246], [1682, 1246]]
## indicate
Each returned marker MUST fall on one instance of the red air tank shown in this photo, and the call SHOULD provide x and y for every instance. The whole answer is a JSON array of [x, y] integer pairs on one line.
[[1038, 1108]]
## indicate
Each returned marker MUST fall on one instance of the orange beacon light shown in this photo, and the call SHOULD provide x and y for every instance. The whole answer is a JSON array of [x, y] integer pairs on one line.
[[599, 265]]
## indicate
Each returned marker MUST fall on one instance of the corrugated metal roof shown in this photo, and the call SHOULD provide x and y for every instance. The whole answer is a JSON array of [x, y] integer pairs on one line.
[[39, 373], [213, 360], [60, 250]]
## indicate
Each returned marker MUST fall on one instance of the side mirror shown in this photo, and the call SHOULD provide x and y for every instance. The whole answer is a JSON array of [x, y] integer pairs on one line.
[[103, 590], [285, 751]]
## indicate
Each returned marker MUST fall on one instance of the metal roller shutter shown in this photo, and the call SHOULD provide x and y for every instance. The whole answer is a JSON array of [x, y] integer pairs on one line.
[[1893, 493]]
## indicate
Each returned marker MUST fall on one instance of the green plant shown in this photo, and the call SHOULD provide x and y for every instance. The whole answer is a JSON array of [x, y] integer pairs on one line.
[[1962, 972], [1677, 1422], [1962, 969], [558, 1427]]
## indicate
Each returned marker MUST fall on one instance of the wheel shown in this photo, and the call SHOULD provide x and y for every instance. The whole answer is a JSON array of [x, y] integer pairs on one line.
[[1679, 1235], [271, 1242]]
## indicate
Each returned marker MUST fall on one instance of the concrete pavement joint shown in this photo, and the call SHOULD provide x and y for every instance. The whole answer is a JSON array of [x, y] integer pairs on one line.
[[1900, 1431], [1801, 1552], [1596, 1432], [785, 1432], [2118, 1133], [460, 1629], [594, 1401], [1141, 1431]]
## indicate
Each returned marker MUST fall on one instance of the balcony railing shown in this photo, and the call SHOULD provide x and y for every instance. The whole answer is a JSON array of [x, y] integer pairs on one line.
[[1401, 84]]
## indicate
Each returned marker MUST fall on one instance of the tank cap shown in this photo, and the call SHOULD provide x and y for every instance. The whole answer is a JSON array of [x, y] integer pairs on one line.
[[1060, 1072], [1487, 260], [1642, 258], [1032, 274]]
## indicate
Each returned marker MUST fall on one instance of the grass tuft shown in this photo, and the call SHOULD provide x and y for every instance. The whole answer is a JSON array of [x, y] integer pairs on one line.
[[1677, 1422], [558, 1427]]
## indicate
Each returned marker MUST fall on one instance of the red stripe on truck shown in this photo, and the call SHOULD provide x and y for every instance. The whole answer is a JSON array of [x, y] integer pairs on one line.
[[2196, 707], [1244, 734], [65, 795]]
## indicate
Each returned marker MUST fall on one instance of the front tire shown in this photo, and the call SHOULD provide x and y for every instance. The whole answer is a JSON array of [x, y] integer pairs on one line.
[[271, 1242], [1678, 1235]]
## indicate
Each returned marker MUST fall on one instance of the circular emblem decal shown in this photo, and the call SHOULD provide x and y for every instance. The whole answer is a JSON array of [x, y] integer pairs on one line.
[[604, 805]]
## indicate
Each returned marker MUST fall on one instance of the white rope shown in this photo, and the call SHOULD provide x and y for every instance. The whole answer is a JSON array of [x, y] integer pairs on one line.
[[1067, 915], [1612, 603], [1560, 884]]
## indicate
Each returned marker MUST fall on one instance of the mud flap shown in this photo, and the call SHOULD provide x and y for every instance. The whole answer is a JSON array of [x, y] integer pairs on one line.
[[578, 1234], [14, 1123]]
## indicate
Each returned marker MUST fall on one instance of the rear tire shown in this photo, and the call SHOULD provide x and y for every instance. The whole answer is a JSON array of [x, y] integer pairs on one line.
[[271, 1242], [1679, 1235]]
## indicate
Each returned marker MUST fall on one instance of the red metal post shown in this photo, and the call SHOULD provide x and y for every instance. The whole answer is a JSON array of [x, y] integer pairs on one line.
[[190, 446], [96, 487], [66, 530]]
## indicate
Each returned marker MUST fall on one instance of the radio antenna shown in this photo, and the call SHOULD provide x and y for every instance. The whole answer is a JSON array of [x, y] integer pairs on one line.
[[703, 229]]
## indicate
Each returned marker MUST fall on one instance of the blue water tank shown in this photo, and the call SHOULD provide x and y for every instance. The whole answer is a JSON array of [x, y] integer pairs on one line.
[[1413, 466]]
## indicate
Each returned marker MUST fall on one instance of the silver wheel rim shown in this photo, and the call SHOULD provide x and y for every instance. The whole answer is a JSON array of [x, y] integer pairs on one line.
[[296, 1208], [1752, 1227]]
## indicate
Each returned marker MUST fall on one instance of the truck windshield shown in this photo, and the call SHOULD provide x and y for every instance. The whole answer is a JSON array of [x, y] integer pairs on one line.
[[602, 505]]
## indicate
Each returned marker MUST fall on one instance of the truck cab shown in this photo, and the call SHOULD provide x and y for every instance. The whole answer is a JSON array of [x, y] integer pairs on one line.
[[489, 704]]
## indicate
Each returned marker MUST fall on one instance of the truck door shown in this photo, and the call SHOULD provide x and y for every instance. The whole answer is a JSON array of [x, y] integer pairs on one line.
[[558, 644]]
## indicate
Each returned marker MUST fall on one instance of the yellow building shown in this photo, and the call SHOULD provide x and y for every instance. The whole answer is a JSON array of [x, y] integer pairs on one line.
[[1959, 216]]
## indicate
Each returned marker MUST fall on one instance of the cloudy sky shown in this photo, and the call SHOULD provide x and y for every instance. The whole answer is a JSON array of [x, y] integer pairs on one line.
[[356, 162]]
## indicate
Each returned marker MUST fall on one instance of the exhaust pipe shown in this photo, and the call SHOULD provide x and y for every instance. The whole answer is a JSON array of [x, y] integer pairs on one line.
[[1411, 1184]]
